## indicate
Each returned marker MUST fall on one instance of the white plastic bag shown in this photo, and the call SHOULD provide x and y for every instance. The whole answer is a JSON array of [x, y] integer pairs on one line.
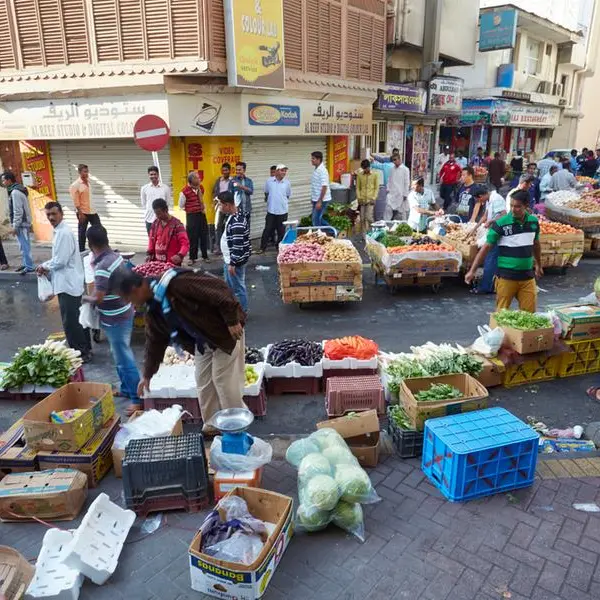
[[89, 317], [260, 454], [45, 290], [151, 423], [489, 341]]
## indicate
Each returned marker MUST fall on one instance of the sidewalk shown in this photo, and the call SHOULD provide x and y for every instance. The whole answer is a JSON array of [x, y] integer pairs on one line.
[[528, 545]]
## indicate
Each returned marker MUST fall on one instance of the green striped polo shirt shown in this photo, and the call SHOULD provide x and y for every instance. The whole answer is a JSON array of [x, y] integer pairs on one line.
[[515, 245], [113, 309]]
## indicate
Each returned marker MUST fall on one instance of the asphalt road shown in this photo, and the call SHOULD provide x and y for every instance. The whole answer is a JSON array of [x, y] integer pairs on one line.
[[396, 322]]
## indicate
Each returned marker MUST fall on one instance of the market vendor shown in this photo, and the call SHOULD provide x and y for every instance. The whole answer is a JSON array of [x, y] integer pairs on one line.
[[519, 255], [167, 240], [478, 203], [422, 205], [199, 313]]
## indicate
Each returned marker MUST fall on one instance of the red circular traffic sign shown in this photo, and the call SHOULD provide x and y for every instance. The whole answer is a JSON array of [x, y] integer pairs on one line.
[[151, 133]]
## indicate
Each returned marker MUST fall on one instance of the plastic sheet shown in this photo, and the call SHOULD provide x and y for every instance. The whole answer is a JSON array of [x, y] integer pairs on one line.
[[152, 423], [260, 454]]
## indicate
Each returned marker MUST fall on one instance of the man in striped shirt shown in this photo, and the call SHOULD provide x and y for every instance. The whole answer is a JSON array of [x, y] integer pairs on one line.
[[517, 236], [116, 315]]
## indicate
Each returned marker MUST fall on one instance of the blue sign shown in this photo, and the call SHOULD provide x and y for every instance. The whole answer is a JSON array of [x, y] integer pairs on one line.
[[497, 29], [506, 75], [273, 115]]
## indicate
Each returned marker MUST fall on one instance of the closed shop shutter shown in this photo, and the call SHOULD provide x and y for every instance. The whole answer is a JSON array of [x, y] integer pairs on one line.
[[118, 168], [261, 153]]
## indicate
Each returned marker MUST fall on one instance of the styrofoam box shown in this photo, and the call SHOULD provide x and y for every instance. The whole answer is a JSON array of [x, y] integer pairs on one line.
[[349, 363], [315, 370], [98, 541], [53, 579], [254, 389], [292, 369]]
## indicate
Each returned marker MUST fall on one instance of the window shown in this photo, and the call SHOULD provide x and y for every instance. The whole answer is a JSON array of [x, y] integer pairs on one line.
[[533, 57]]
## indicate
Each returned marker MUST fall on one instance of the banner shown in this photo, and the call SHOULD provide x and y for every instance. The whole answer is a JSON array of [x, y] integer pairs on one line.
[[497, 29], [445, 95], [255, 48], [341, 156], [402, 98]]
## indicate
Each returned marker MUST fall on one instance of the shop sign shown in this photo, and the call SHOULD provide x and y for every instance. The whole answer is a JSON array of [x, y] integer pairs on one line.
[[82, 118], [402, 98], [336, 118], [445, 95], [36, 160], [340, 156], [255, 48], [497, 29], [273, 115], [485, 112], [516, 95], [534, 116]]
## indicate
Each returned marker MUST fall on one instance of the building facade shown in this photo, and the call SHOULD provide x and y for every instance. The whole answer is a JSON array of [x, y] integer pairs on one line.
[[263, 81]]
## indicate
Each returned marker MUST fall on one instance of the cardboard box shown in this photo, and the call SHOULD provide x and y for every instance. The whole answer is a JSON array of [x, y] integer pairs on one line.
[[322, 293], [474, 398], [118, 453], [579, 322], [15, 456], [226, 481], [526, 342], [492, 373], [224, 579], [94, 459], [361, 432], [57, 495], [41, 434], [295, 294]]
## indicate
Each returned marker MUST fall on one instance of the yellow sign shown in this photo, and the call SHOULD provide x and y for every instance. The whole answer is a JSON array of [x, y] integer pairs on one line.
[[255, 48], [206, 155]]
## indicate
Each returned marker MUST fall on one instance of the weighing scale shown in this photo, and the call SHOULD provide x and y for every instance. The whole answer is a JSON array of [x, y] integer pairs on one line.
[[232, 423]]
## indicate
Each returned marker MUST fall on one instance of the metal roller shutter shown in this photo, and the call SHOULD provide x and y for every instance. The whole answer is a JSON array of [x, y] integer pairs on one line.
[[118, 168], [261, 153]]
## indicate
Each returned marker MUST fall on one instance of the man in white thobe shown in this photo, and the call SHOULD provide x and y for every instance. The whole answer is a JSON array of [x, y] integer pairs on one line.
[[398, 186]]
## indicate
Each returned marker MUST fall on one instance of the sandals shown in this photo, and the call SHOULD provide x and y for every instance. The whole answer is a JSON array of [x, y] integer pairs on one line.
[[592, 393]]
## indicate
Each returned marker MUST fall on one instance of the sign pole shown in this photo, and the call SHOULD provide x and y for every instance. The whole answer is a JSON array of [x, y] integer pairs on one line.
[[156, 164]]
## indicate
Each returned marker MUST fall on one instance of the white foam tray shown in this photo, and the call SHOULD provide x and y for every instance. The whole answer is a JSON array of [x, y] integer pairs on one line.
[[292, 369], [349, 363], [254, 389], [173, 381], [98, 541], [53, 580]]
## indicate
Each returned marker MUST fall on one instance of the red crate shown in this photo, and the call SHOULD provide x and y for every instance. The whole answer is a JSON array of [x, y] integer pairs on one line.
[[191, 406], [293, 385], [346, 394], [327, 373], [257, 404]]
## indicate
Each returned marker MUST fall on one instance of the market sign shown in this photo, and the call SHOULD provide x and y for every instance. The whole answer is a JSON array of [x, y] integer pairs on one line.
[[273, 115], [484, 112], [402, 98], [534, 116], [497, 29], [336, 118], [445, 95], [255, 48]]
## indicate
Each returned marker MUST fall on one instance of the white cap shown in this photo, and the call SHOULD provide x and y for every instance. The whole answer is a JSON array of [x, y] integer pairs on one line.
[[281, 167]]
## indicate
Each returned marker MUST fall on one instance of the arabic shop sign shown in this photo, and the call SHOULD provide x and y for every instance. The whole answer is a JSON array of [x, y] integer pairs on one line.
[[497, 29], [534, 116], [336, 118], [109, 117], [402, 98], [485, 112], [445, 95]]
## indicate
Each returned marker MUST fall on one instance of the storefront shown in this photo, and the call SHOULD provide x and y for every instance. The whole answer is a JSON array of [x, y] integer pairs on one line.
[[206, 133], [55, 136]]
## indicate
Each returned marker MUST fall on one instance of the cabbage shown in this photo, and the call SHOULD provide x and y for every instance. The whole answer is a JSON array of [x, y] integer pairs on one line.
[[348, 516], [299, 449], [312, 519], [337, 455], [326, 437], [322, 492], [354, 483], [313, 464]]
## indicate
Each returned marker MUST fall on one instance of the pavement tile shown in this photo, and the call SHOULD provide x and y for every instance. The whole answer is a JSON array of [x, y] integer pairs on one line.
[[570, 593], [445, 564], [575, 551], [541, 594], [394, 549], [473, 561], [472, 541], [580, 574], [589, 544], [165, 588], [412, 587], [497, 558], [393, 479], [497, 580], [410, 492], [496, 536], [524, 580], [524, 557], [592, 529], [571, 531], [522, 535], [440, 587], [552, 577], [548, 553]]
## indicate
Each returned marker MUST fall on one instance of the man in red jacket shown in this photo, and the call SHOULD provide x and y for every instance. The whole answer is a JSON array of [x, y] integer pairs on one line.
[[450, 174], [191, 200]]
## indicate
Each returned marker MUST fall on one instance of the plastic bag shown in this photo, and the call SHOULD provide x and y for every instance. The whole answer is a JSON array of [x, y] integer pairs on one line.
[[489, 341], [260, 454], [89, 317], [331, 483], [151, 423], [45, 289], [239, 548]]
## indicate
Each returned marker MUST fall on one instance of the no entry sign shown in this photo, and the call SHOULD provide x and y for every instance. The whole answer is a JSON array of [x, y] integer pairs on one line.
[[151, 133]]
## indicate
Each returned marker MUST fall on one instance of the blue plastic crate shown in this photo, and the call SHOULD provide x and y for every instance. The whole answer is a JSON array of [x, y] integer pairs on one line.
[[479, 453]]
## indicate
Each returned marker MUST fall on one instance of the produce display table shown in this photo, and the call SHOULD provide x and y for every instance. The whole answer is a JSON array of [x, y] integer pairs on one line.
[[581, 212]]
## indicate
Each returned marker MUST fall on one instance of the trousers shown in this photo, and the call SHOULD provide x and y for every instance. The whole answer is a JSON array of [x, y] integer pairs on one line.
[[220, 379], [237, 283], [197, 231], [92, 219], [78, 338], [273, 224], [318, 215], [25, 247], [490, 268], [525, 291], [366, 216]]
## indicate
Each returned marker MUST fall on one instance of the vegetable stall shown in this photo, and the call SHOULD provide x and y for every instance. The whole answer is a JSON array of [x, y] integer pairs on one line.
[[405, 258], [316, 267]]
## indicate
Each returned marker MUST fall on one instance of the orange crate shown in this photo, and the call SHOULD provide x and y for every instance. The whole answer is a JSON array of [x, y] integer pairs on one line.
[[346, 394]]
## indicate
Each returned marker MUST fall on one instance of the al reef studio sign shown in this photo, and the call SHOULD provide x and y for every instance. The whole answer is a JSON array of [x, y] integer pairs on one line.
[[255, 47]]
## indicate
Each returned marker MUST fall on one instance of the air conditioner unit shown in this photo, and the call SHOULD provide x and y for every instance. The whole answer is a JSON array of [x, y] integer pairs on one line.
[[557, 89], [545, 87]]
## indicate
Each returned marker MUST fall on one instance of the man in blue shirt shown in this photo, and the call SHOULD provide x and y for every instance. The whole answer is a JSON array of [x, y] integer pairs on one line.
[[242, 189], [277, 195], [573, 161]]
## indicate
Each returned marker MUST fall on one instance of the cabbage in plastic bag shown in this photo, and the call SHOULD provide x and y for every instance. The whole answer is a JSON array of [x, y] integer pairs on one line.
[[299, 449], [322, 492], [312, 519], [349, 517], [314, 464], [326, 437], [355, 485], [337, 455]]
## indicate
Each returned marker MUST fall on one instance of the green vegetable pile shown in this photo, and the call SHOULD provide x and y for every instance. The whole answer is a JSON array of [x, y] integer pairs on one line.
[[392, 240], [340, 223], [399, 417], [519, 319], [51, 364], [306, 221], [403, 230], [438, 392]]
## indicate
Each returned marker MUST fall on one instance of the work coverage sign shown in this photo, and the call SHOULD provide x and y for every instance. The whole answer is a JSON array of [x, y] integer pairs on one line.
[[255, 48]]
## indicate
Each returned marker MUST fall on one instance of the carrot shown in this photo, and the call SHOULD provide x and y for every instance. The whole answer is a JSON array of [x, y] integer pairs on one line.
[[350, 347]]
